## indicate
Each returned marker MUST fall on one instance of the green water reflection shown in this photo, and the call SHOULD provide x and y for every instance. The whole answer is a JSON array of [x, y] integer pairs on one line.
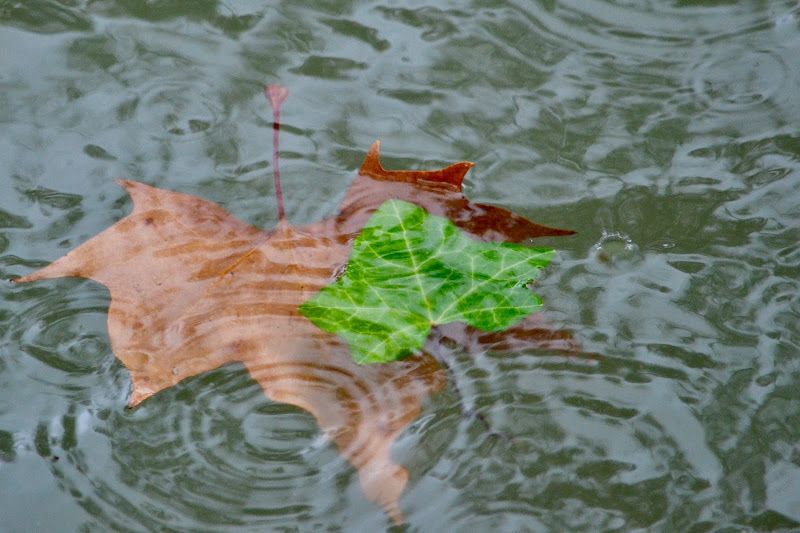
[[669, 127]]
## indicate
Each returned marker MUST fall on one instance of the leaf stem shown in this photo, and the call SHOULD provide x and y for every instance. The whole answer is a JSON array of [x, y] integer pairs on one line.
[[276, 95]]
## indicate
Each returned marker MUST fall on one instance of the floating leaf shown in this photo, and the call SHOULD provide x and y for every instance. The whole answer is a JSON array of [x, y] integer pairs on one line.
[[409, 271], [194, 288]]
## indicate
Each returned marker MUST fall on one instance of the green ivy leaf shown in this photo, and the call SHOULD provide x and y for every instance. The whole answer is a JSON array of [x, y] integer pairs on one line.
[[410, 270]]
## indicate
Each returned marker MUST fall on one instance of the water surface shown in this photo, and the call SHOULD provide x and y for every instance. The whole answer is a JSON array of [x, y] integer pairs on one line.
[[664, 133]]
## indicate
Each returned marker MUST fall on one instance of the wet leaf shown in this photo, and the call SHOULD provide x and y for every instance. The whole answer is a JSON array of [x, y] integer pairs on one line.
[[409, 271], [193, 288]]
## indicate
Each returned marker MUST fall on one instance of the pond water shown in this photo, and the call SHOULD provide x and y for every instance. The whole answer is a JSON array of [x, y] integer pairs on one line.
[[664, 133]]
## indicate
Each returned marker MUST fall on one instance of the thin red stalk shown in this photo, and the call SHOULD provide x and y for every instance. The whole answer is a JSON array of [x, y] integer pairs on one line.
[[276, 95]]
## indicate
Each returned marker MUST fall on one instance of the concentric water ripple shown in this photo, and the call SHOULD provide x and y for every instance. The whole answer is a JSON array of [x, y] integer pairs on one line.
[[578, 437], [175, 111], [740, 78], [67, 335], [199, 456], [644, 28], [664, 133]]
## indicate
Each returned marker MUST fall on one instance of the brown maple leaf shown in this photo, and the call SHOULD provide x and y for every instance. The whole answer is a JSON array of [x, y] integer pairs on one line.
[[193, 288]]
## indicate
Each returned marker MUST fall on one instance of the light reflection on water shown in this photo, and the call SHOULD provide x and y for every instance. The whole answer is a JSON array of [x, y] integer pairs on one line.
[[665, 134]]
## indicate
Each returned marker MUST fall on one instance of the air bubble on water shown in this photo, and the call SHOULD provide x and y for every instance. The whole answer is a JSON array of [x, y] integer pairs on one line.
[[616, 249]]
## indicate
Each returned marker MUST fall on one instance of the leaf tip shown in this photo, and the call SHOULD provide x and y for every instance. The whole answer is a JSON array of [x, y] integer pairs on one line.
[[137, 396], [372, 163], [125, 184], [36, 275]]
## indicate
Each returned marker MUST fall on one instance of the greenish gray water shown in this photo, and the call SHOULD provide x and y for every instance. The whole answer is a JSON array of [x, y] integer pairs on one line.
[[666, 134]]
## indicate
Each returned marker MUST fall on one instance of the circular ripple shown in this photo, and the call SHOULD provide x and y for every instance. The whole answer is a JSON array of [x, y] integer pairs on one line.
[[66, 332], [177, 107], [737, 79], [208, 454], [639, 28]]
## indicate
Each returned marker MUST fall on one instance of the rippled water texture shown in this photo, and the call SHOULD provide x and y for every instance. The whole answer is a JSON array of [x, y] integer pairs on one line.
[[665, 133]]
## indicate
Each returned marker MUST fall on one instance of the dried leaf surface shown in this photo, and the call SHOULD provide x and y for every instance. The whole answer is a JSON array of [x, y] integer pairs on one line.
[[193, 288]]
